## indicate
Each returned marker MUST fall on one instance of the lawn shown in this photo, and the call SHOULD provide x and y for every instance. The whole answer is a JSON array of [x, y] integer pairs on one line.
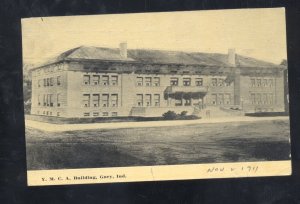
[[201, 143]]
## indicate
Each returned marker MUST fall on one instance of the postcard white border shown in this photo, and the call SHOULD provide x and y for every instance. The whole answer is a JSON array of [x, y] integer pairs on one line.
[[158, 173]]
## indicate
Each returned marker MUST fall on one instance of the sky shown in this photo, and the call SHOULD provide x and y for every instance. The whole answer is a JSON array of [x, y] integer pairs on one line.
[[258, 33]]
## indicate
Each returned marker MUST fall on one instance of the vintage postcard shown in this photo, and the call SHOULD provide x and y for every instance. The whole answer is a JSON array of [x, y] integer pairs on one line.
[[156, 96]]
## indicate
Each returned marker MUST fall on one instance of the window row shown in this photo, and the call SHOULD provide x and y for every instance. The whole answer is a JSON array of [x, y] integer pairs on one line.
[[183, 100], [104, 114], [148, 81], [219, 82], [49, 69], [104, 80], [48, 113], [261, 82], [97, 100], [220, 99], [48, 100], [148, 100], [50, 81], [262, 98], [174, 81]]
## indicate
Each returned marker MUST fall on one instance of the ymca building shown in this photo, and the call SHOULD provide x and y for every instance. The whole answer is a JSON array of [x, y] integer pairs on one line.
[[108, 82]]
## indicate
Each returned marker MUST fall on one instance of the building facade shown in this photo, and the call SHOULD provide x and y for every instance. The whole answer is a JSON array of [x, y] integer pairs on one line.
[[104, 82]]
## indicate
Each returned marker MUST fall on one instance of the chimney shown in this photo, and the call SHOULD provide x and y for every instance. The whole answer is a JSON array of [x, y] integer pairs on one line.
[[123, 50], [231, 57]]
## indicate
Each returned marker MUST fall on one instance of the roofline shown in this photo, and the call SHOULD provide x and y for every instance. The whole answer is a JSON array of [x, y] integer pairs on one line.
[[151, 63]]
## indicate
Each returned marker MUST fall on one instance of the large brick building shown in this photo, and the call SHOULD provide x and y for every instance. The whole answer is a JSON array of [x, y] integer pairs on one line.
[[106, 82]]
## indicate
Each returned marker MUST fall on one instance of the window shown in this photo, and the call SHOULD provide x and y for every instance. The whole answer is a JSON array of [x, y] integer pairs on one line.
[[58, 80], [258, 98], [51, 81], [221, 99], [148, 81], [58, 114], [45, 82], [105, 80], [45, 100], [265, 82], [270, 99], [156, 81], [50, 113], [214, 99], [187, 100], [86, 100], [139, 100], [178, 100], [214, 81], [96, 98], [156, 100], [114, 114], [252, 82], [105, 114], [139, 81], [39, 83], [59, 67], [264, 98], [105, 100], [199, 81], [220, 82], [227, 99], [48, 100], [96, 79], [51, 100], [58, 100], [174, 81], [114, 80], [114, 100], [270, 82], [39, 100], [148, 99], [186, 81], [95, 114], [86, 114], [86, 79], [258, 82], [48, 82], [253, 98]]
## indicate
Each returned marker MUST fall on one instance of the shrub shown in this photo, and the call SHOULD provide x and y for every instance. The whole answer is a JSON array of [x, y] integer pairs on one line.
[[170, 115], [183, 113]]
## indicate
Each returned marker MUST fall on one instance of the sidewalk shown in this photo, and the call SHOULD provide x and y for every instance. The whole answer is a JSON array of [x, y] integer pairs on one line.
[[93, 126]]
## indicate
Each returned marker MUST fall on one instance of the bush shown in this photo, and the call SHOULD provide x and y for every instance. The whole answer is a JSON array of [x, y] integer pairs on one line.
[[170, 115], [183, 113]]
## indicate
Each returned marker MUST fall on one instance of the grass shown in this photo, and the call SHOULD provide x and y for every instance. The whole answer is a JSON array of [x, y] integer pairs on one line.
[[201, 143]]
